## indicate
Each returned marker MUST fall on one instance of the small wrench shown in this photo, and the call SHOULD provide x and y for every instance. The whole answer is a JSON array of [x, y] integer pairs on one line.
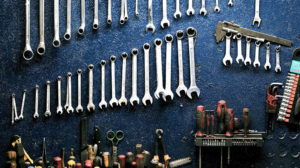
[[36, 104], [102, 103], [59, 109], [56, 40], [150, 26], [14, 109], [203, 10], [227, 60], [267, 64], [82, 25], [168, 91], [278, 67], [67, 99], [137, 8], [240, 56], [70, 109], [165, 21], [248, 45], [134, 99], [79, 107], [122, 17], [147, 96], [177, 13], [160, 89], [41, 47], [96, 20], [256, 62], [28, 53], [47, 112], [123, 100], [217, 8], [109, 17], [91, 107], [256, 16], [181, 87], [113, 101], [190, 11], [21, 116], [192, 35], [67, 35]]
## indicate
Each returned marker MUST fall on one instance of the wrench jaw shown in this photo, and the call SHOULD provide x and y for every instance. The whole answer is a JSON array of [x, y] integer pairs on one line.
[[177, 14], [79, 109], [168, 95], [256, 20], [256, 64], [102, 104], [230, 3], [70, 109], [113, 102], [91, 107], [122, 101], [147, 99], [267, 66], [35, 116], [159, 92], [203, 11], [28, 53], [150, 27], [59, 110], [277, 69], [247, 61], [217, 9], [190, 12], [181, 90], [165, 23], [47, 114], [192, 91], [227, 60], [134, 100]]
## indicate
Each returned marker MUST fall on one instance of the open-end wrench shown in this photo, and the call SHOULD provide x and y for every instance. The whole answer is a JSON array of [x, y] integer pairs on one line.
[[267, 64], [248, 49], [217, 8], [160, 89], [240, 56], [67, 35], [137, 8], [59, 109], [202, 9], [56, 40], [177, 13], [70, 109], [47, 112], [168, 91], [278, 67], [256, 16], [122, 16], [123, 100], [164, 21], [91, 106], [256, 62], [41, 47], [113, 101], [227, 60], [147, 96], [134, 99], [230, 3], [96, 20], [102, 103], [21, 116], [79, 107], [190, 11], [181, 89], [109, 17], [36, 102], [67, 99], [27, 53], [82, 15], [192, 35], [150, 26]]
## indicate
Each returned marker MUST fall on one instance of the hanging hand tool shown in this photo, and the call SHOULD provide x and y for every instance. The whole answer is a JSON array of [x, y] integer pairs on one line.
[[115, 138], [22, 155], [122, 161], [97, 142], [221, 111], [160, 140], [44, 154], [246, 121], [57, 162], [200, 121], [229, 122], [129, 159], [236, 125], [83, 140], [106, 159], [140, 161]]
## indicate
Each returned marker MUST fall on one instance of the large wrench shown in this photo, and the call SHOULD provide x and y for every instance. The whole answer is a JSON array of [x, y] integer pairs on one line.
[[56, 40], [41, 47], [96, 20], [113, 101], [147, 96], [248, 45], [181, 86], [134, 99], [278, 67], [168, 91], [177, 13], [160, 89], [256, 16], [190, 11], [267, 64], [256, 62], [123, 100], [59, 109], [67, 35], [102, 103], [227, 60], [27, 53], [91, 107], [240, 56], [202, 9], [70, 109], [47, 112], [79, 107], [150, 26], [109, 17], [82, 25], [36, 104], [192, 35], [165, 21]]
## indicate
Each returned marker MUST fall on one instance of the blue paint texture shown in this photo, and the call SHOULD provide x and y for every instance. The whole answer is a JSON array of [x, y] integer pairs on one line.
[[239, 86]]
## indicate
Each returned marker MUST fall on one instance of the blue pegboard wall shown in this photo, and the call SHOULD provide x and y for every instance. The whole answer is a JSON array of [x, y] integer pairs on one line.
[[239, 86]]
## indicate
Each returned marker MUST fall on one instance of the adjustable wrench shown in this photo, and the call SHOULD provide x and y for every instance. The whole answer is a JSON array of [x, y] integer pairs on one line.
[[147, 96], [36, 104], [256, 62], [203, 10], [56, 40], [278, 67], [82, 15], [79, 107], [227, 60], [21, 116], [41, 47], [190, 11], [168, 91], [109, 17], [91, 107], [113, 101], [181, 86], [27, 53], [102, 103], [177, 13], [160, 89], [59, 109], [217, 8], [165, 21], [267, 64], [248, 45], [134, 98], [96, 20], [47, 112], [230, 3], [67, 35], [240, 56], [70, 109], [192, 35], [150, 26], [123, 100], [256, 16]]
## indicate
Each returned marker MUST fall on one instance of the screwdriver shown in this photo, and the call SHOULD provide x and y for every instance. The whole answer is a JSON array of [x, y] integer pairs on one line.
[[200, 121], [207, 123], [57, 162], [229, 122], [140, 161], [129, 159], [78, 165], [236, 125], [221, 111], [122, 160], [246, 121], [106, 157], [147, 158]]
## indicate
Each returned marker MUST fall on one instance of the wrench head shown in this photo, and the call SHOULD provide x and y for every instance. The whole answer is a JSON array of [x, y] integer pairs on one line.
[[81, 30], [35, 115], [277, 69], [56, 43], [217, 9], [267, 66], [41, 48], [70, 110], [256, 64], [164, 23], [150, 27], [230, 3], [28, 53], [122, 101], [95, 24], [47, 114], [21, 117], [122, 21], [134, 100], [159, 92], [91, 107], [227, 60], [247, 61], [256, 20], [191, 90], [239, 58], [59, 110], [190, 11], [181, 90], [203, 11], [79, 109], [177, 15], [168, 95], [102, 104], [147, 99], [67, 36], [113, 102]]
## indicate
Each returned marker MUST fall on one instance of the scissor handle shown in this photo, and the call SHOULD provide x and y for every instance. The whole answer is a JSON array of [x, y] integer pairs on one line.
[[110, 135], [119, 135]]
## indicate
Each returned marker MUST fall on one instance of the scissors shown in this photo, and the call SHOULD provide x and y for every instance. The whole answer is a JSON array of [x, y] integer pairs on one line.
[[115, 138]]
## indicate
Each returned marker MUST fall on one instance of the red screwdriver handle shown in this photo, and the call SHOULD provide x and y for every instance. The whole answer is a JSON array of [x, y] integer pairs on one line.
[[57, 162], [200, 121], [229, 122]]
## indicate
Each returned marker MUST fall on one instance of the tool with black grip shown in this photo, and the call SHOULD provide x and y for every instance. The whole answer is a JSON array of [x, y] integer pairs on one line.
[[160, 141], [246, 121], [83, 140], [221, 111], [200, 121]]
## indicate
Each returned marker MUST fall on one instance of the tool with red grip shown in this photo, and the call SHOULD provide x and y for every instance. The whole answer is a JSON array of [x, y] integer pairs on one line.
[[200, 121], [229, 122]]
